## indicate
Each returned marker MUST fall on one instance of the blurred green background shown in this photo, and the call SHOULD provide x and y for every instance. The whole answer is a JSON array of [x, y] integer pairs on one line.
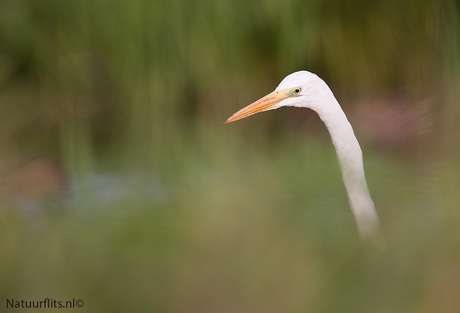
[[120, 186]]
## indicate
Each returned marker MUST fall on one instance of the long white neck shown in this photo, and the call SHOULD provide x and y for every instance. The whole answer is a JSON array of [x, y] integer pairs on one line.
[[351, 163]]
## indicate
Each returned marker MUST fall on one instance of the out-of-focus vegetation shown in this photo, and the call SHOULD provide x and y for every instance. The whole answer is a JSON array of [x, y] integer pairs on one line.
[[119, 186]]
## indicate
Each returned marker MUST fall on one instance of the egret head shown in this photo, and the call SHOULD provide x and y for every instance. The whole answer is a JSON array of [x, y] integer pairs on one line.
[[300, 89]]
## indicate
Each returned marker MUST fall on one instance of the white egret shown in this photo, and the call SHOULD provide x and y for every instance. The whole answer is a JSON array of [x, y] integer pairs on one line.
[[306, 90]]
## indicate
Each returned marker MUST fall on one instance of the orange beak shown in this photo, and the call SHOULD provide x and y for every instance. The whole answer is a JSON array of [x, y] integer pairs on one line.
[[264, 104]]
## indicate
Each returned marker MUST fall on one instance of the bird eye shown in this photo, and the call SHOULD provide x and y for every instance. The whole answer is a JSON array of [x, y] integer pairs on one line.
[[297, 90]]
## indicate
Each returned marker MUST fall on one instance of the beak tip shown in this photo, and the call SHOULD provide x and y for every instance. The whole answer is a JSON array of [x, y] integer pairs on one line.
[[229, 120]]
